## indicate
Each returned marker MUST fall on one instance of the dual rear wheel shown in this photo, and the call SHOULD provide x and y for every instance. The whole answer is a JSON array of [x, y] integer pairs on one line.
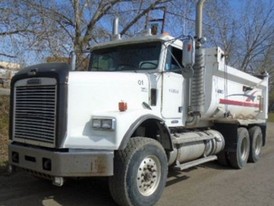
[[249, 145], [256, 143]]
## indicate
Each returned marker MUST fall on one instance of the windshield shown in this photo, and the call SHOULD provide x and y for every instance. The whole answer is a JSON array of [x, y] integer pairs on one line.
[[132, 57]]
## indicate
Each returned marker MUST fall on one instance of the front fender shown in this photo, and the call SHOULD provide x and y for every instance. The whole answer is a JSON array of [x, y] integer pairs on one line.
[[125, 125], [163, 136]]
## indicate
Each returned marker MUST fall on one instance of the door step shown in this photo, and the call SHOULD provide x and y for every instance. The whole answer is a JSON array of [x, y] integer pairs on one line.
[[193, 163]]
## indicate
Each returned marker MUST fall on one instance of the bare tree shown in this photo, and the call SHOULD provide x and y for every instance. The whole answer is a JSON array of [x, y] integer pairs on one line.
[[80, 20], [246, 33], [219, 28], [257, 32], [23, 32], [53, 27], [9, 28]]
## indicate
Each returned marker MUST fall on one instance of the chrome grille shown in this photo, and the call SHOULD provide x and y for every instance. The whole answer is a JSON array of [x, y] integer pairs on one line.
[[35, 114]]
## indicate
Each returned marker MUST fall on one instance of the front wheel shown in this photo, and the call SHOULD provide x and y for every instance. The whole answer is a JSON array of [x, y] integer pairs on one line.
[[140, 172]]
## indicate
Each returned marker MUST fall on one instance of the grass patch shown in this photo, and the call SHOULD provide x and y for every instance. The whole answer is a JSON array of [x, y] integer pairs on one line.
[[4, 128]]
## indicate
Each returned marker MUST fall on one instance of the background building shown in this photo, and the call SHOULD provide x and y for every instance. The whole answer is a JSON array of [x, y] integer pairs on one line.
[[7, 71]]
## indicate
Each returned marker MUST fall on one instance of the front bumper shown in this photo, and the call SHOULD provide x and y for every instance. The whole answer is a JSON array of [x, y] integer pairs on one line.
[[76, 163]]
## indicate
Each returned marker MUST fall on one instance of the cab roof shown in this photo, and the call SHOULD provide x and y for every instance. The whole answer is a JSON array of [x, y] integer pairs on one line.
[[165, 38]]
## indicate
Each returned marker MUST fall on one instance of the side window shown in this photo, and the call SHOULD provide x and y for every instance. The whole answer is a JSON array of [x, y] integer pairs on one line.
[[101, 63], [174, 60]]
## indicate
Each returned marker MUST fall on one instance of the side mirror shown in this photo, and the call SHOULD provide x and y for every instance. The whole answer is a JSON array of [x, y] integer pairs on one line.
[[188, 52], [188, 57]]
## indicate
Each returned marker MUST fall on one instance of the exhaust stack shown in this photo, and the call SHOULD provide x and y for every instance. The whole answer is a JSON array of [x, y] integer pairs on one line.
[[197, 85], [199, 22], [115, 29]]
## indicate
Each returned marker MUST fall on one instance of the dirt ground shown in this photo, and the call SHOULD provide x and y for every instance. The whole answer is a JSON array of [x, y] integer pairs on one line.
[[208, 184]]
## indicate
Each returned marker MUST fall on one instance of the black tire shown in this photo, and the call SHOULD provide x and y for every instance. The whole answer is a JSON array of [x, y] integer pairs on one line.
[[222, 158], [238, 159], [140, 172], [256, 143]]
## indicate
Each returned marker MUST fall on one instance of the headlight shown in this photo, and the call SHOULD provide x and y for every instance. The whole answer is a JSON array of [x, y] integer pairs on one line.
[[96, 123], [106, 124]]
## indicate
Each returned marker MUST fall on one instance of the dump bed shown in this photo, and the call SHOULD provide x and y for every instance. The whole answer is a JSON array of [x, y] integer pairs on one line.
[[231, 92]]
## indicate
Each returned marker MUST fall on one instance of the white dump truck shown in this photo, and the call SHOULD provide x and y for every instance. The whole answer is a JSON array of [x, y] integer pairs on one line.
[[145, 104]]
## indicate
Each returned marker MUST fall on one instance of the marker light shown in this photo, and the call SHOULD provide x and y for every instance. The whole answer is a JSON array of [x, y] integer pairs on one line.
[[122, 106]]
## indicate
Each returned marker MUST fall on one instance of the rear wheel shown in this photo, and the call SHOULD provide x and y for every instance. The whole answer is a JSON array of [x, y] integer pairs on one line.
[[256, 143], [238, 159], [140, 172]]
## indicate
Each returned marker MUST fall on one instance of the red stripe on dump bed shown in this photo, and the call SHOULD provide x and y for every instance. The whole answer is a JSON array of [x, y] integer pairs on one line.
[[238, 103]]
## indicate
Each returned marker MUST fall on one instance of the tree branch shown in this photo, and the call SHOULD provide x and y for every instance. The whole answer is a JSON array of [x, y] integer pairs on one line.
[[5, 33], [101, 11], [7, 55]]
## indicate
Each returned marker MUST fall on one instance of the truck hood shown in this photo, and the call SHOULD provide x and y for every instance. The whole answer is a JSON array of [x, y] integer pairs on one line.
[[98, 94]]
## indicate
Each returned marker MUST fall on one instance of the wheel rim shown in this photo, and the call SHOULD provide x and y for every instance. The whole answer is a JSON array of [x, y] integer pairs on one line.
[[148, 175], [258, 145], [244, 149]]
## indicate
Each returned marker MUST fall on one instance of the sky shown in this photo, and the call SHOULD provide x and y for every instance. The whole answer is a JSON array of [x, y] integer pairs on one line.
[[5, 44]]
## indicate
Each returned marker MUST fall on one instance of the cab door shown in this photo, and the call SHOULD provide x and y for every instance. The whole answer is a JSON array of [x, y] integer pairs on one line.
[[172, 92]]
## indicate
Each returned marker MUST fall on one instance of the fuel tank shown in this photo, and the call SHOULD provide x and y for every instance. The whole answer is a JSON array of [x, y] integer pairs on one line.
[[193, 145]]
